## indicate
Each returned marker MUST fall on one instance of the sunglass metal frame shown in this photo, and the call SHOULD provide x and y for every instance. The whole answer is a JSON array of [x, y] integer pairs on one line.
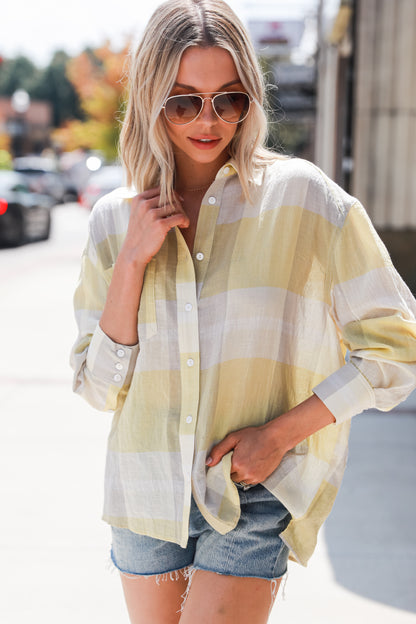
[[203, 99]]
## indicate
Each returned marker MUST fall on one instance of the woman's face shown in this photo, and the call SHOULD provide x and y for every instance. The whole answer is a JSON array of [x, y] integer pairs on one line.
[[204, 140]]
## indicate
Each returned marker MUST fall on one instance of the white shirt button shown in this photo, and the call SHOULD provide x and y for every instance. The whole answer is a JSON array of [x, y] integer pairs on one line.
[[226, 170], [190, 362], [189, 420], [117, 377], [211, 200], [119, 366], [188, 307], [120, 353], [199, 256]]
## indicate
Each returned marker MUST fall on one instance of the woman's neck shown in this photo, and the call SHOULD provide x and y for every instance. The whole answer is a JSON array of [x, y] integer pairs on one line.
[[194, 176]]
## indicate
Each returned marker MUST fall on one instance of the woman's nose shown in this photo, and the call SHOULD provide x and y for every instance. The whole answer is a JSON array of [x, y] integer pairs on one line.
[[207, 113]]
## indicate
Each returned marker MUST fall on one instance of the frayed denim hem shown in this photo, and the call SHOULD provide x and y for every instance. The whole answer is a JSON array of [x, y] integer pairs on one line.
[[274, 583], [188, 573], [263, 578], [173, 575]]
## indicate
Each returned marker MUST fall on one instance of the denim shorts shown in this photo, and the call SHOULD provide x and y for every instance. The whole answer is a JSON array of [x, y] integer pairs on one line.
[[253, 549]]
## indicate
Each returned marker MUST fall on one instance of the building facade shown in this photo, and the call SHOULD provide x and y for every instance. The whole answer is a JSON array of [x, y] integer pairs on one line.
[[366, 122]]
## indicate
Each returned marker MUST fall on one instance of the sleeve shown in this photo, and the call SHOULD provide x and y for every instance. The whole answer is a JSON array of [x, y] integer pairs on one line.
[[375, 313], [103, 369]]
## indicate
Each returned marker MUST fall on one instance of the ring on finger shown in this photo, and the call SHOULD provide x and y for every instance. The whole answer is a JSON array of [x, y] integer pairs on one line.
[[243, 483]]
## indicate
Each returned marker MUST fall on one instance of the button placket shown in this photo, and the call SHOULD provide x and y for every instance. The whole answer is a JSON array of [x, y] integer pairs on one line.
[[190, 273], [206, 227]]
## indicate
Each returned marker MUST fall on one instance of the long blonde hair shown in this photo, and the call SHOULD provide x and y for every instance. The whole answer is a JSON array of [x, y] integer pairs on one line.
[[176, 25]]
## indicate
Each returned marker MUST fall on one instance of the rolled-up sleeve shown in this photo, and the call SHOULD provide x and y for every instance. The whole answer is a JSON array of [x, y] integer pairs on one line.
[[375, 313], [103, 369]]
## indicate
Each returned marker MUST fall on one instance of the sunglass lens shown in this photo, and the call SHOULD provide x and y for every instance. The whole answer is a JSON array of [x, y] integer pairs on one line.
[[232, 107], [181, 109]]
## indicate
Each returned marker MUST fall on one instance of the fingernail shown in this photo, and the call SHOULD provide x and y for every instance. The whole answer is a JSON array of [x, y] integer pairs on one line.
[[209, 461]]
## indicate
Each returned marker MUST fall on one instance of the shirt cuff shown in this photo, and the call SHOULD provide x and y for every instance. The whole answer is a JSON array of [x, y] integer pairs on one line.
[[345, 393], [110, 361]]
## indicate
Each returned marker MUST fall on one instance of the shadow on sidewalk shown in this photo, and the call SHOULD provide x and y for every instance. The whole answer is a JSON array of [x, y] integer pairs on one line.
[[371, 533]]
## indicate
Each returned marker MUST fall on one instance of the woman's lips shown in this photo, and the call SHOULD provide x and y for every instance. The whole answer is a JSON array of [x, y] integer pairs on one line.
[[205, 142]]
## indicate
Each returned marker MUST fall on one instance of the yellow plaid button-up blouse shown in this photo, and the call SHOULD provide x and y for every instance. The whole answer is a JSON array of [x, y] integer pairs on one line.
[[256, 319]]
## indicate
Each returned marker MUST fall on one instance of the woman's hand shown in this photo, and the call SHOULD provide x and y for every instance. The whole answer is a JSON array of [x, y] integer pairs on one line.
[[149, 225], [258, 451], [256, 454]]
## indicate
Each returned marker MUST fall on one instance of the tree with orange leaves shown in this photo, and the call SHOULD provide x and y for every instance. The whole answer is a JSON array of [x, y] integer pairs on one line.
[[98, 78]]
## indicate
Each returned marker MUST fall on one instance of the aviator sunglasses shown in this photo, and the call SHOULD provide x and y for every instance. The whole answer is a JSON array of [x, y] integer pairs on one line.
[[231, 107]]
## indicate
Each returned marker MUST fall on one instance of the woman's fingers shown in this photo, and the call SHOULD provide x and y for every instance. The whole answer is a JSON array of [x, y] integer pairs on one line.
[[150, 200], [149, 225], [162, 212], [177, 219], [145, 201], [256, 454], [149, 193], [222, 448]]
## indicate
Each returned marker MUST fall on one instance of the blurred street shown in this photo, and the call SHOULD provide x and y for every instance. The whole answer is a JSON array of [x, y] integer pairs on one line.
[[54, 546]]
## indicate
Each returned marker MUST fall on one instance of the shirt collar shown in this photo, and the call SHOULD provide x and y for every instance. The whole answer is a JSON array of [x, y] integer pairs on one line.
[[226, 171], [230, 168]]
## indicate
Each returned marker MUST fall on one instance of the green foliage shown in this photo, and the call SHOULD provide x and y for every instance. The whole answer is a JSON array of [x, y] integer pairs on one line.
[[18, 73], [97, 76], [50, 84], [54, 86], [5, 159]]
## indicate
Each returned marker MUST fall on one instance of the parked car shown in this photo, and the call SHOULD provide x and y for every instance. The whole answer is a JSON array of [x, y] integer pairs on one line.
[[103, 181], [24, 216], [76, 168], [42, 176]]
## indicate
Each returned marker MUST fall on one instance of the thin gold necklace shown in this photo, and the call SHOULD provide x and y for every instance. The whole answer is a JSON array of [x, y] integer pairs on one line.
[[194, 189]]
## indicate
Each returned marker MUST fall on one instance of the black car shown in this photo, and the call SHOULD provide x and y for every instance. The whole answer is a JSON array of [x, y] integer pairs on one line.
[[24, 216]]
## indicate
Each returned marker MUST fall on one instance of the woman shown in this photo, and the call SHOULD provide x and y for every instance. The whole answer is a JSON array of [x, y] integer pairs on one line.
[[218, 297]]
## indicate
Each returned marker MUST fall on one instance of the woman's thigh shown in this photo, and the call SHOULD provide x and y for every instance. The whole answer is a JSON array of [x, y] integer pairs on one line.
[[154, 575], [156, 601], [224, 599], [235, 574]]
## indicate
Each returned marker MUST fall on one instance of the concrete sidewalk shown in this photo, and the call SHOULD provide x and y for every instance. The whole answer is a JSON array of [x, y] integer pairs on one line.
[[54, 547]]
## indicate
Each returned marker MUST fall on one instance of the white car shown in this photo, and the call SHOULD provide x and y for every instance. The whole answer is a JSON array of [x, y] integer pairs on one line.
[[103, 181]]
